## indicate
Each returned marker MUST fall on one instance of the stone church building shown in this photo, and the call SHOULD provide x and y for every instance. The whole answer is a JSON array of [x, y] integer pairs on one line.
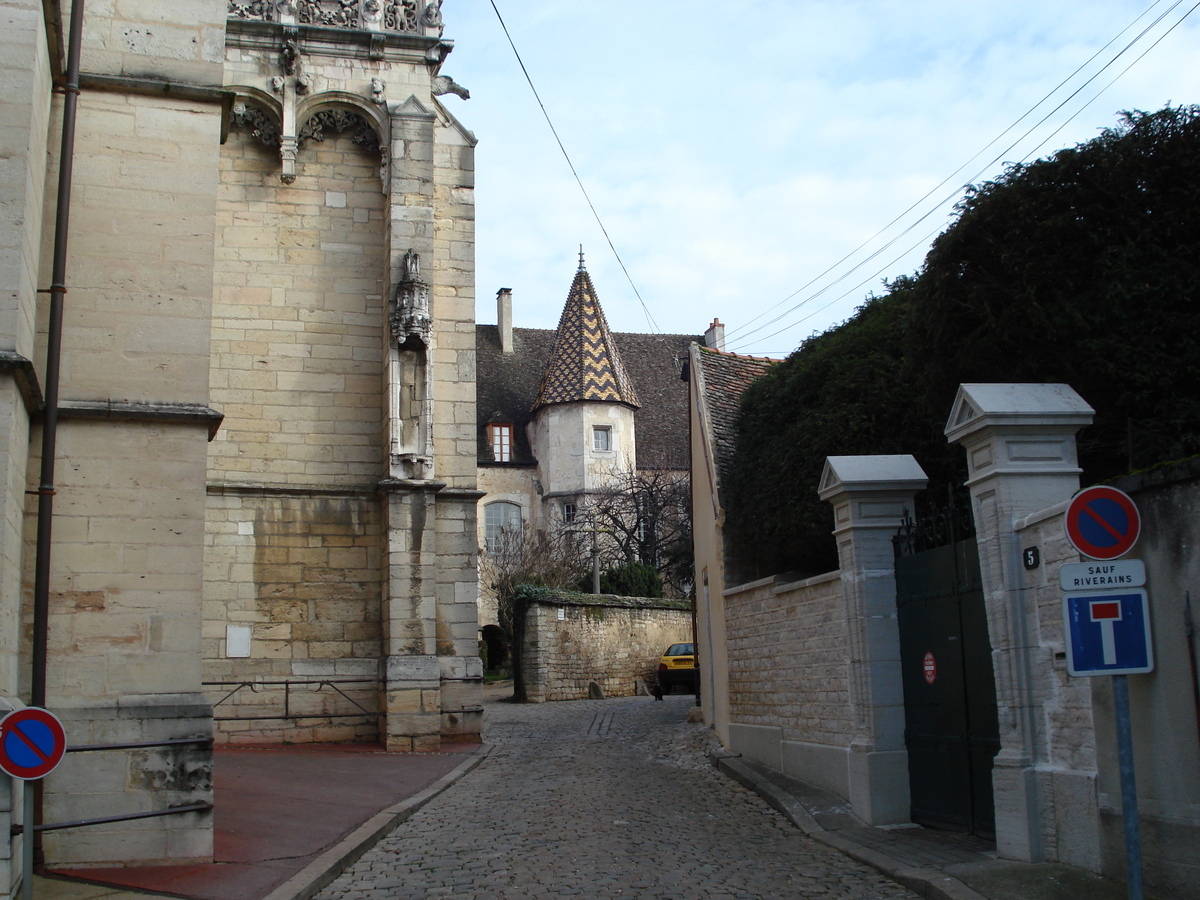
[[265, 496]]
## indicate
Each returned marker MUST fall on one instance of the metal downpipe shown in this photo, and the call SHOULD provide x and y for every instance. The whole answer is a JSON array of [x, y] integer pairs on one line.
[[45, 491]]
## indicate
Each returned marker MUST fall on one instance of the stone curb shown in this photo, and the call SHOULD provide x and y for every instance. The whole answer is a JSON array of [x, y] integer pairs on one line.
[[330, 864], [928, 883]]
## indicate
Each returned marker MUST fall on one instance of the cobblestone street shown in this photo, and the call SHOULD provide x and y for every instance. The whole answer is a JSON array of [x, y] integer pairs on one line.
[[605, 799]]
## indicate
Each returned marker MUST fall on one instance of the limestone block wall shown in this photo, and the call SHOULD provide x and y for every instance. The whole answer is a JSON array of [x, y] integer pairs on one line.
[[298, 575], [25, 74], [453, 284], [610, 640], [294, 525], [298, 313], [788, 664], [134, 424], [1165, 726], [1064, 725]]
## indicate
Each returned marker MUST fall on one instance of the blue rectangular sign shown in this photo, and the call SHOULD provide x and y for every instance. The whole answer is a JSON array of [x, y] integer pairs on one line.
[[1108, 633]]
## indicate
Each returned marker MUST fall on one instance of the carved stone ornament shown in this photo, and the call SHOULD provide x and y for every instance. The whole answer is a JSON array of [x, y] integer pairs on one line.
[[443, 84], [410, 317], [256, 10], [257, 122], [290, 57], [337, 121], [395, 15], [378, 90], [433, 16], [400, 15]]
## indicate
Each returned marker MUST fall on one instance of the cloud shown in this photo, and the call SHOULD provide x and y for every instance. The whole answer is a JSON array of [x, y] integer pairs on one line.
[[735, 151]]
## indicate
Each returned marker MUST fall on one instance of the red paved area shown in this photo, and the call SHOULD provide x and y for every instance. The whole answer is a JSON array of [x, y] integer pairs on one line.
[[276, 809]]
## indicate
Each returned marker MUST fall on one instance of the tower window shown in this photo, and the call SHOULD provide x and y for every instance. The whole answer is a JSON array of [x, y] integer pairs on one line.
[[500, 437], [568, 510], [602, 438]]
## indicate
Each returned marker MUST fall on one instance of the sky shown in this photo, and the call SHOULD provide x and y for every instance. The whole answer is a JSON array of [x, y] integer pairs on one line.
[[747, 158]]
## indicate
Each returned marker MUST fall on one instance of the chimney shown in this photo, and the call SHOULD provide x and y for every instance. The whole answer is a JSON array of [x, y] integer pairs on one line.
[[504, 318], [714, 338]]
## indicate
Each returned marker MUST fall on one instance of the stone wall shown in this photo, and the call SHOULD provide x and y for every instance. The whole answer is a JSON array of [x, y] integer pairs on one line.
[[1065, 735], [788, 652], [26, 75], [299, 305], [1165, 718], [573, 639], [125, 594], [294, 527], [299, 575]]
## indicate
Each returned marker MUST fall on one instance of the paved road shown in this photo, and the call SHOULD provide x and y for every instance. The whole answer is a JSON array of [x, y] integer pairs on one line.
[[602, 799]]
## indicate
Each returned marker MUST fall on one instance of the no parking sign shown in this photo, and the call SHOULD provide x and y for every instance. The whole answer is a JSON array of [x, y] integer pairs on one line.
[[32, 743], [1102, 522]]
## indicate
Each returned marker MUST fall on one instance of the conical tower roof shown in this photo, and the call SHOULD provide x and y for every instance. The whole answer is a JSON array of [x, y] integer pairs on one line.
[[584, 364]]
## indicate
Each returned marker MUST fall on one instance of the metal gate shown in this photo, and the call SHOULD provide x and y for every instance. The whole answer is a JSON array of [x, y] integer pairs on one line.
[[951, 727]]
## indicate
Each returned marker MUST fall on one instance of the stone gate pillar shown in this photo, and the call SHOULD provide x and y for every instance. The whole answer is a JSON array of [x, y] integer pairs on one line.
[[870, 495], [1020, 443]]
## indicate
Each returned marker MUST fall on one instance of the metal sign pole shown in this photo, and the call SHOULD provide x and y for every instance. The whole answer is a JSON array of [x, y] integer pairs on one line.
[[1133, 840], [29, 807]]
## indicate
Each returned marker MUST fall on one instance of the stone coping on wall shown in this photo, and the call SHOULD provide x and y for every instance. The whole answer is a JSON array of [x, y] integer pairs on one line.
[[570, 598], [1159, 476], [783, 583]]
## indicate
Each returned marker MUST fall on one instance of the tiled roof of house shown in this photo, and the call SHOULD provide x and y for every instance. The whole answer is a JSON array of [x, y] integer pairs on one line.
[[585, 363], [507, 386], [724, 377]]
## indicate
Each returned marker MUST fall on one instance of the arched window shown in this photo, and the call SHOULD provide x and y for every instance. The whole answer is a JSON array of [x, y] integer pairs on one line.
[[499, 520]]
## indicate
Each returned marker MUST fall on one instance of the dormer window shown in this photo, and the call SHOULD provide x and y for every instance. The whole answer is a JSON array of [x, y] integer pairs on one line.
[[500, 437], [602, 438]]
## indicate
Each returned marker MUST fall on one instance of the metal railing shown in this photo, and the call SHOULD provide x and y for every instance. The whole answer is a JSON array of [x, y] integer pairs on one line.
[[321, 684], [201, 806]]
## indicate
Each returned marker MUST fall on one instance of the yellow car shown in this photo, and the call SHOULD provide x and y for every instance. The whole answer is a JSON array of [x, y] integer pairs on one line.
[[677, 666]]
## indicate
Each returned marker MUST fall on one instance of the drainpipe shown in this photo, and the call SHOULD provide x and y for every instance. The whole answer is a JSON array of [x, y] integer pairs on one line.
[[45, 491], [41, 584]]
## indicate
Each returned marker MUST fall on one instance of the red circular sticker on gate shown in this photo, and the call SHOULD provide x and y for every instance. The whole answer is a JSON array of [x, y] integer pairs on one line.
[[930, 667]]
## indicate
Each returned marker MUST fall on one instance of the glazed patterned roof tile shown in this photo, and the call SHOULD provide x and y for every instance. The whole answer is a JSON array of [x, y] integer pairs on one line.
[[584, 364]]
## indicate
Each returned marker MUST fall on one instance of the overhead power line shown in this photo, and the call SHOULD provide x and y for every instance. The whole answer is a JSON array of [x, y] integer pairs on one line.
[[744, 335], [571, 165]]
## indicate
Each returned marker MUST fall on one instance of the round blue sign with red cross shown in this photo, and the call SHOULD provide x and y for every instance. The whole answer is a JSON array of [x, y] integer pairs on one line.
[[1102, 522], [32, 743]]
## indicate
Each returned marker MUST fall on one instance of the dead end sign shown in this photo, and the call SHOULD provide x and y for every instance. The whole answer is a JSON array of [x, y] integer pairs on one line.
[[1102, 522], [32, 743]]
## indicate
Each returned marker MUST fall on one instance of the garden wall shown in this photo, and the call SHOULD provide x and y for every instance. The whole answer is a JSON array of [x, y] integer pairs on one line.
[[573, 639]]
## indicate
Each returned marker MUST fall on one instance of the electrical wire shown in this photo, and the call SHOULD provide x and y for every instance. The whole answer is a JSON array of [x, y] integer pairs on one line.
[[744, 334], [649, 316], [947, 179]]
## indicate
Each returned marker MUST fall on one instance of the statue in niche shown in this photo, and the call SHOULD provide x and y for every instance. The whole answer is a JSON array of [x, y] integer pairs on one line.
[[410, 317], [410, 267], [411, 328]]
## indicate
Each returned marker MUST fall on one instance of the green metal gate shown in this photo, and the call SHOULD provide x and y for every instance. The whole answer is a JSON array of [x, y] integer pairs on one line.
[[951, 728]]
